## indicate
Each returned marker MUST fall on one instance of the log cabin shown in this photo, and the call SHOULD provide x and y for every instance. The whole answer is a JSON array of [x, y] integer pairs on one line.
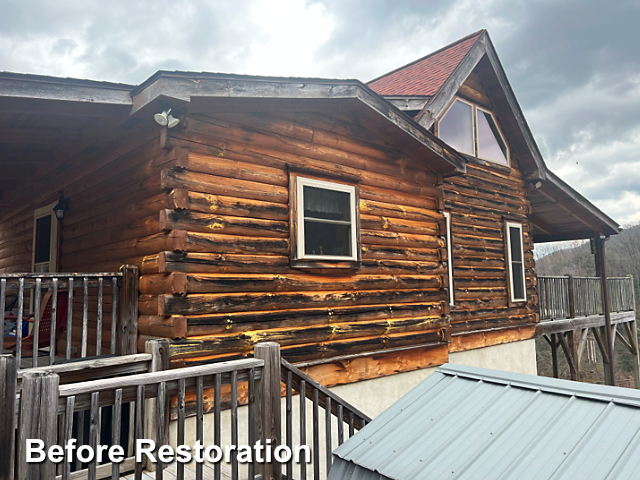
[[375, 231]]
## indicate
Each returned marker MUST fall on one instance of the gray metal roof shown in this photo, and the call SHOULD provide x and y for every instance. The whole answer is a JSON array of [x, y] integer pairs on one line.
[[473, 423]]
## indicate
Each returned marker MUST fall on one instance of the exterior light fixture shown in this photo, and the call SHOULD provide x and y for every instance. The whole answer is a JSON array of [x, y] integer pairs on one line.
[[166, 119], [61, 207]]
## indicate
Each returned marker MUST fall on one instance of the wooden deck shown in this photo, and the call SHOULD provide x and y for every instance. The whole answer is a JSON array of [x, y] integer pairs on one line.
[[571, 308]]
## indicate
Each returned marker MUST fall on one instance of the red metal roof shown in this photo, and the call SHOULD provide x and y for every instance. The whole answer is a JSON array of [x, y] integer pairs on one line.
[[425, 76]]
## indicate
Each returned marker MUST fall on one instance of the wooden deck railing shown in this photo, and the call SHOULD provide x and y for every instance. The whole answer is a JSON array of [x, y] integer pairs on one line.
[[563, 297], [334, 408], [98, 306], [124, 405]]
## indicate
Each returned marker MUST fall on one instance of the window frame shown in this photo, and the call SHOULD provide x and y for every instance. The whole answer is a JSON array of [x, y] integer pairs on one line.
[[39, 213], [449, 247], [474, 131], [504, 140], [474, 140], [298, 256], [507, 229]]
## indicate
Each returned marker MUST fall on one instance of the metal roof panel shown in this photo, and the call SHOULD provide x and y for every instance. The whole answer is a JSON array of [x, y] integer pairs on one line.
[[471, 423]]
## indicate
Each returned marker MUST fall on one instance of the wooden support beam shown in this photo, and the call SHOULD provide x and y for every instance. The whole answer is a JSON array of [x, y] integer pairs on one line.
[[568, 352], [582, 340]]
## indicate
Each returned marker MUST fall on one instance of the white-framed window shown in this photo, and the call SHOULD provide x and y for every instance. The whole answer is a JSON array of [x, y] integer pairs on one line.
[[45, 240], [515, 258], [473, 130], [447, 224], [326, 220]]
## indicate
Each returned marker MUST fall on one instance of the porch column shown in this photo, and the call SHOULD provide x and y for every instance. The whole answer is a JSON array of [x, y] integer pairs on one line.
[[601, 271]]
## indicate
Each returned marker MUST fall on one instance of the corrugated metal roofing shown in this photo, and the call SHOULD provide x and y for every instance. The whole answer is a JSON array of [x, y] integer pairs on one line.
[[472, 423]]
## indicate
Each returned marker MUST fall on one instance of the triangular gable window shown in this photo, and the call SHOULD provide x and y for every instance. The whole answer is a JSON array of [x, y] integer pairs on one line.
[[456, 127], [491, 146], [472, 130]]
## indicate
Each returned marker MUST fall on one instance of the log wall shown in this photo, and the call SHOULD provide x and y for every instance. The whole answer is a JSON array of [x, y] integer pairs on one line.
[[115, 197], [228, 278], [480, 201]]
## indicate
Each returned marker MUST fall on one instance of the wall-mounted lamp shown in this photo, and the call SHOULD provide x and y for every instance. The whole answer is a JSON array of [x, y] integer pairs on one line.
[[61, 207], [166, 119]]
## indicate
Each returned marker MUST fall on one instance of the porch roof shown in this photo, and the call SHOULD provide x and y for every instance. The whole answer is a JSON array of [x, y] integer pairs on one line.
[[471, 423]]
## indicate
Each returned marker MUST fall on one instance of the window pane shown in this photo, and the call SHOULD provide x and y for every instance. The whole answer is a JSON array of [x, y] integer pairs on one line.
[[43, 239], [518, 280], [327, 239], [515, 240], [326, 204], [490, 144], [456, 128]]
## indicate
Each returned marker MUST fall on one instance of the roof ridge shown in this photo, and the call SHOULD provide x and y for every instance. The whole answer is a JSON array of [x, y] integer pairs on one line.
[[446, 47]]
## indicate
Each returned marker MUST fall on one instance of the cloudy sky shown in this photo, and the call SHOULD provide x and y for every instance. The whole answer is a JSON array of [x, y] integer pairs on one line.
[[574, 65]]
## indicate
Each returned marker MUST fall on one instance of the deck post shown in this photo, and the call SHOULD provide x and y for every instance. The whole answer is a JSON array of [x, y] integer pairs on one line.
[[572, 303], [8, 376], [268, 421], [601, 269], [38, 420], [159, 350], [128, 311]]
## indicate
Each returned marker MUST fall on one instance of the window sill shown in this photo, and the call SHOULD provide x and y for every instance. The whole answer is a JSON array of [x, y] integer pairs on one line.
[[326, 264], [487, 163]]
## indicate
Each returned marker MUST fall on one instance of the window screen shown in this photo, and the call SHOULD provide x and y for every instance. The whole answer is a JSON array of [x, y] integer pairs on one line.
[[456, 127], [327, 222], [516, 262]]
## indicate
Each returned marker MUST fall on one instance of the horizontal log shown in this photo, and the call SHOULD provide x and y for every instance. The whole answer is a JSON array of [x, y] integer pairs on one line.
[[220, 283], [239, 207], [224, 167], [373, 222], [381, 209], [209, 303], [204, 183], [389, 252], [173, 327], [376, 237], [215, 243], [339, 348], [258, 320], [244, 342], [205, 222], [221, 263], [173, 283]]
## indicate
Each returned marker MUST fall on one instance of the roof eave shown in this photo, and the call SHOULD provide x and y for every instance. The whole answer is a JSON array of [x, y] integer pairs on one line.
[[184, 86]]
